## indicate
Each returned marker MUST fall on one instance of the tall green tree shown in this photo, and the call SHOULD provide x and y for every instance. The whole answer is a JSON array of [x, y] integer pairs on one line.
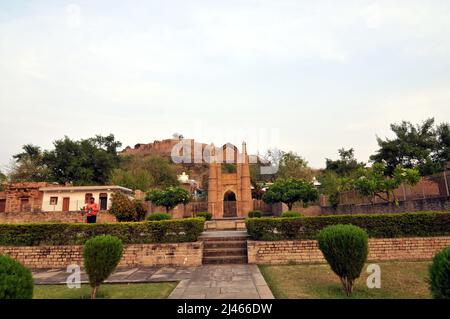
[[144, 173], [422, 146], [290, 191], [294, 166], [346, 164], [86, 161], [29, 165], [3, 180]]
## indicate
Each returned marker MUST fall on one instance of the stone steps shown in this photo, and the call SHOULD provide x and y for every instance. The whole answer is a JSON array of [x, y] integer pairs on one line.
[[224, 247]]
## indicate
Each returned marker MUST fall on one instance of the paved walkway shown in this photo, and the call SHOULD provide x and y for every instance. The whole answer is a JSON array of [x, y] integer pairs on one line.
[[208, 281], [223, 282], [121, 275]]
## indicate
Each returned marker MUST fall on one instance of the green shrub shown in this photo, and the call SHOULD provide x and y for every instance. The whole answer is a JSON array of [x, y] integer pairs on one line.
[[159, 216], [39, 234], [16, 281], [267, 214], [345, 248], [255, 214], [140, 208], [123, 208], [440, 275], [205, 215], [291, 214], [101, 256], [420, 224]]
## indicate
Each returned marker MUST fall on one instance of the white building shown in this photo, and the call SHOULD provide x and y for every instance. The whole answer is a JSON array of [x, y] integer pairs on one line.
[[73, 198]]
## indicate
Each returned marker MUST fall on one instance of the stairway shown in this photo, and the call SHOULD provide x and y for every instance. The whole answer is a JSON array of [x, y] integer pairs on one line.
[[224, 247]]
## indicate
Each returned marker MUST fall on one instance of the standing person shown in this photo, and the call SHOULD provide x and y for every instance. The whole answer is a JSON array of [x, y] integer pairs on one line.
[[91, 210]]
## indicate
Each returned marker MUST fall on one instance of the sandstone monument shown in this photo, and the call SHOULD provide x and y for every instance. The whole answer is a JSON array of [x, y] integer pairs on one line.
[[229, 194]]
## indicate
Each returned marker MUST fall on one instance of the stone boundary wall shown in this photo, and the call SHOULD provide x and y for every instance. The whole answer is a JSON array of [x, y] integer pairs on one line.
[[61, 217], [306, 251], [176, 254], [433, 204]]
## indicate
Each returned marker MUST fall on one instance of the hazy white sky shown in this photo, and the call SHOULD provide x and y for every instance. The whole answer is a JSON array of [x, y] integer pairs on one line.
[[307, 76]]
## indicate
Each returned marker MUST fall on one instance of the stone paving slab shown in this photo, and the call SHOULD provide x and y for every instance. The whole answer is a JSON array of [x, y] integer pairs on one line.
[[223, 282], [121, 275], [207, 281]]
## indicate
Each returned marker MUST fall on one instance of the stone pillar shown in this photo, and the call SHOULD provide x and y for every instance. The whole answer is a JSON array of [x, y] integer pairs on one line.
[[213, 184], [246, 191]]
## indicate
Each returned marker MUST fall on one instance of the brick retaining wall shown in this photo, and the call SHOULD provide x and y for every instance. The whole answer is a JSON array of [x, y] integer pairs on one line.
[[176, 254], [61, 217], [306, 251]]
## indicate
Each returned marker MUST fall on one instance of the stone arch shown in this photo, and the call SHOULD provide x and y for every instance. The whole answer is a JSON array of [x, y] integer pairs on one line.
[[220, 183]]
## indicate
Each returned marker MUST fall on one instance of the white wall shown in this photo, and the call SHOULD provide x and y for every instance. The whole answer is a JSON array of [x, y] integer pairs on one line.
[[76, 200]]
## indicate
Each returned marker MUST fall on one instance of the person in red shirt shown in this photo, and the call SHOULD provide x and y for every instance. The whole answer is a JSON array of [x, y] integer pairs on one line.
[[91, 209]]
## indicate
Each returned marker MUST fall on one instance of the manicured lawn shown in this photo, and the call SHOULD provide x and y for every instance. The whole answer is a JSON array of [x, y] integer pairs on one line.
[[398, 280], [107, 291]]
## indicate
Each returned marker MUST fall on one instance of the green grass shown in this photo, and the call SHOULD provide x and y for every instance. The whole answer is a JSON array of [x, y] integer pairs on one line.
[[399, 279], [108, 291]]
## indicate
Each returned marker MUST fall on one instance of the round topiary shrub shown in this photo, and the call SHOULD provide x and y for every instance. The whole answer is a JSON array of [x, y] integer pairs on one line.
[[440, 275], [255, 214], [16, 281], [205, 215], [345, 248], [159, 216], [101, 256], [291, 214]]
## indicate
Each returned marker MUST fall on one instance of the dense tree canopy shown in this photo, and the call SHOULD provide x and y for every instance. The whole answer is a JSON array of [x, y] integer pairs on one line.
[[144, 173], [82, 162], [345, 165], [423, 146]]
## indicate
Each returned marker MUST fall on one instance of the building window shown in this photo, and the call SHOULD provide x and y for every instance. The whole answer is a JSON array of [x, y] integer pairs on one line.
[[53, 200]]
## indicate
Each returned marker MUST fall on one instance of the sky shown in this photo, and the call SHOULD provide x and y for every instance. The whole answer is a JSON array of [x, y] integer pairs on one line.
[[307, 76]]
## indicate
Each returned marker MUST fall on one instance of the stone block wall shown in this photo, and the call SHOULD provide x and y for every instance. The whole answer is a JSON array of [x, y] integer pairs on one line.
[[176, 254], [62, 217], [306, 251], [433, 204]]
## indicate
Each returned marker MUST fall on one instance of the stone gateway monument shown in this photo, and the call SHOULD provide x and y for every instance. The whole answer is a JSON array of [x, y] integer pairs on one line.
[[229, 193]]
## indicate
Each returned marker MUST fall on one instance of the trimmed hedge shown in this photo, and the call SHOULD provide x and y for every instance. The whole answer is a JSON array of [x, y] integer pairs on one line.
[[205, 215], [291, 214], [159, 216], [422, 224], [39, 234]]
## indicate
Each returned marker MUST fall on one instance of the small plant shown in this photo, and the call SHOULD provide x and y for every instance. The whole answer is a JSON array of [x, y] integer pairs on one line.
[[16, 281], [291, 214], [255, 214], [101, 256], [159, 216], [345, 248], [440, 275], [205, 215]]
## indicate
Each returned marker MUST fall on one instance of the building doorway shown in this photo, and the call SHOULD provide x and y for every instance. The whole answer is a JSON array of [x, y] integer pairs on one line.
[[25, 205], [103, 201], [2, 205], [229, 204], [66, 204]]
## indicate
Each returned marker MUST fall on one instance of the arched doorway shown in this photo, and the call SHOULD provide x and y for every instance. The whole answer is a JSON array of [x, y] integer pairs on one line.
[[229, 204]]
